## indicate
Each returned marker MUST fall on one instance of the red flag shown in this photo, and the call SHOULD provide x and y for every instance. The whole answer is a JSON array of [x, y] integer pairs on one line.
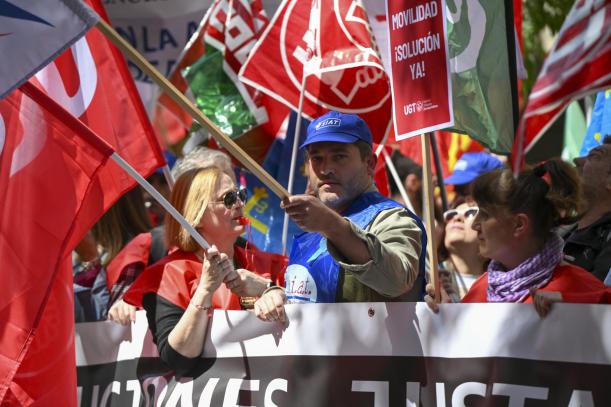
[[451, 147], [231, 27], [333, 40], [578, 64], [48, 163], [135, 251], [92, 82], [380, 177]]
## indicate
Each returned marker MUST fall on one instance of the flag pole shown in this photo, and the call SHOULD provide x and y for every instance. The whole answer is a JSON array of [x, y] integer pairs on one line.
[[398, 181], [159, 198], [307, 69], [167, 174], [438, 169], [190, 108], [296, 136], [429, 211]]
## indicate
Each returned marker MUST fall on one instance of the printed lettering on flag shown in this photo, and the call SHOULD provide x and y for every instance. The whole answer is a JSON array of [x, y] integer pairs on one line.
[[332, 41], [480, 69], [48, 163], [208, 72], [577, 65], [419, 66], [32, 33], [159, 30]]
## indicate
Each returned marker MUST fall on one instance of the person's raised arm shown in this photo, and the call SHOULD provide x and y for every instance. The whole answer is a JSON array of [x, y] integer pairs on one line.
[[311, 215]]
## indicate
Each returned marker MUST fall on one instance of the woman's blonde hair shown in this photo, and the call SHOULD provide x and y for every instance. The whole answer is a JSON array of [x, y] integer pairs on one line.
[[192, 192]]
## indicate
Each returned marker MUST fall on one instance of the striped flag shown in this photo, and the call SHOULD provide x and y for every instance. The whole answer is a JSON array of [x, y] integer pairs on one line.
[[578, 64]]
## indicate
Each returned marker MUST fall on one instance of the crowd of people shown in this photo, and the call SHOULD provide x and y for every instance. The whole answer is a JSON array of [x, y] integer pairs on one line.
[[540, 238]]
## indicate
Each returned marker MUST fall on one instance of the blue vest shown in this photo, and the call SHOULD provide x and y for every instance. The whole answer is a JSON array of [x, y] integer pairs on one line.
[[312, 274]]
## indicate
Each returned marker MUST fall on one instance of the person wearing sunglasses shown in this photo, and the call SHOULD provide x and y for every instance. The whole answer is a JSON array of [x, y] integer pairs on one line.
[[179, 292], [461, 264], [516, 228]]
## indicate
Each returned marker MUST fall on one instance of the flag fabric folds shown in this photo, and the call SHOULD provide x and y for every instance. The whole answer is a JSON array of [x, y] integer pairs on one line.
[[48, 163], [451, 147], [33, 33], [208, 72], [263, 206], [574, 131], [600, 125], [92, 82], [332, 42], [578, 64], [480, 69], [232, 30], [479, 61], [159, 30]]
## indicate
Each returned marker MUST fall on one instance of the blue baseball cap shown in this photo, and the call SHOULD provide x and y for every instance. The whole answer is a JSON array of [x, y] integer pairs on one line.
[[471, 166], [338, 127]]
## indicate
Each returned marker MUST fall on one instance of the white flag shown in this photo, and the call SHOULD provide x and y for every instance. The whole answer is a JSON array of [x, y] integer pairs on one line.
[[33, 33]]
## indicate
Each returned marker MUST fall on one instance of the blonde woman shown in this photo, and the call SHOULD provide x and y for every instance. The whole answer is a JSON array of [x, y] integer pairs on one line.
[[179, 292]]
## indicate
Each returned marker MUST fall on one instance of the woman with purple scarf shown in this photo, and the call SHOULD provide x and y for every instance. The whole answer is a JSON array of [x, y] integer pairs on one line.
[[515, 228]]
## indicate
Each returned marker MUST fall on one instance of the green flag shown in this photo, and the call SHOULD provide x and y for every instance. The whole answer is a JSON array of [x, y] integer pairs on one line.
[[479, 61], [217, 96], [224, 39], [574, 131]]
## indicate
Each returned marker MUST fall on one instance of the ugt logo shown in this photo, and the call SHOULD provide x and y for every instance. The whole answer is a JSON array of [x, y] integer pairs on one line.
[[337, 50]]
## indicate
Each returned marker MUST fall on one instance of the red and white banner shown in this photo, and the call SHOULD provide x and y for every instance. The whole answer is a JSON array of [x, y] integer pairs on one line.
[[578, 64], [419, 66], [377, 354], [32, 33], [332, 38], [48, 163]]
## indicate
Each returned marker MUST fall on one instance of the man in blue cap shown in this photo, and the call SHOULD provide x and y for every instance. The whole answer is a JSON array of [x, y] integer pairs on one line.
[[358, 245]]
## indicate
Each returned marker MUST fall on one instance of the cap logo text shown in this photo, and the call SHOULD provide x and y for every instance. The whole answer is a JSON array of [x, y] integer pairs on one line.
[[328, 123]]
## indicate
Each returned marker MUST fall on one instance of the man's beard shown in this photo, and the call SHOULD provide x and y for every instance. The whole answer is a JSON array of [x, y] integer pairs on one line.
[[333, 202]]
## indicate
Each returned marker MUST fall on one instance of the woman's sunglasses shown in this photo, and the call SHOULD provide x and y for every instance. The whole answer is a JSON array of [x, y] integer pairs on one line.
[[467, 213], [231, 198]]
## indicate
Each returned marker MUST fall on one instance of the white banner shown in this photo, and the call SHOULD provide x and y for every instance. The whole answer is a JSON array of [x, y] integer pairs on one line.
[[378, 354]]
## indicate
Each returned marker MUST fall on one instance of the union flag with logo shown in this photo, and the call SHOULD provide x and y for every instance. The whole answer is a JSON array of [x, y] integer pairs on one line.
[[577, 65], [91, 81], [208, 73], [331, 42], [49, 164]]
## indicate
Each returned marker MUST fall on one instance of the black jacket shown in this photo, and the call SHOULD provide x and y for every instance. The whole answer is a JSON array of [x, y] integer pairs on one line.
[[590, 247]]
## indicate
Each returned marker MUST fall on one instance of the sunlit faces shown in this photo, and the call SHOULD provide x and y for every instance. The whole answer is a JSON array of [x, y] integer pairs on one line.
[[495, 234], [219, 221], [458, 223], [338, 173]]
